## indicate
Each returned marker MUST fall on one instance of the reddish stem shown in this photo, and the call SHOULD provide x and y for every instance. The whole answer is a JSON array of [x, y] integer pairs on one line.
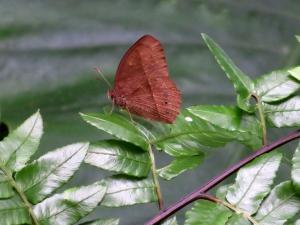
[[200, 193]]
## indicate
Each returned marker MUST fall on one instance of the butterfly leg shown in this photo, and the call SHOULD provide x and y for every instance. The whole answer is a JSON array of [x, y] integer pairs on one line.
[[112, 108], [133, 122]]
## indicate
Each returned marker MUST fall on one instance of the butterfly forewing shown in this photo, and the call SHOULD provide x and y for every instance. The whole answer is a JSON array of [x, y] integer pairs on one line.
[[142, 80]]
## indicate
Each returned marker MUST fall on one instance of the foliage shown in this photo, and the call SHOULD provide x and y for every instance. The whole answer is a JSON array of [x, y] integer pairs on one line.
[[28, 188], [247, 197], [199, 129]]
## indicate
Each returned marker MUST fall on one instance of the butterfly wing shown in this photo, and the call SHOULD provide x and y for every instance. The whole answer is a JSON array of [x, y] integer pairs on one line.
[[142, 79]]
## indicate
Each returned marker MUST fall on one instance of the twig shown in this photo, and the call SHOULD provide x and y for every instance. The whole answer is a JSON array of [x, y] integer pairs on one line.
[[261, 117], [27, 204], [218, 179], [155, 179]]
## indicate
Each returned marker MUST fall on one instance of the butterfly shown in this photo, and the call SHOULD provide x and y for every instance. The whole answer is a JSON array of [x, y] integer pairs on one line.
[[142, 83]]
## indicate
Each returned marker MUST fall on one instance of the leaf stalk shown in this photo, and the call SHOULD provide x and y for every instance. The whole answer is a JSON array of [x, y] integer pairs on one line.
[[262, 118], [12, 182], [155, 178], [237, 210]]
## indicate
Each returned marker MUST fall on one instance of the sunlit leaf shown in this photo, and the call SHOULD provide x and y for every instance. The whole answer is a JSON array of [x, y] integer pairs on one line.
[[285, 114], [253, 182], [281, 205], [192, 131], [180, 165], [118, 126], [6, 189], [181, 146], [49, 172], [17, 148], [205, 212], [295, 72], [69, 206], [226, 117], [102, 222], [120, 157], [171, 221], [296, 169], [241, 82], [236, 219], [243, 126], [276, 86], [122, 191], [13, 211]]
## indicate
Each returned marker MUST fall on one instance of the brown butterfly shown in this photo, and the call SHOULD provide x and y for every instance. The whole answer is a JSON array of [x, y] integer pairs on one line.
[[142, 83]]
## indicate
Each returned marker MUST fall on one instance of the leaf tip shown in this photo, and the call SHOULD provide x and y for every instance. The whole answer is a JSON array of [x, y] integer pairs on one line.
[[205, 37]]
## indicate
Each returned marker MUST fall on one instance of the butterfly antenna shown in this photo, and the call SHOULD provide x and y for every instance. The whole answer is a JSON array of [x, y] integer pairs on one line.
[[98, 70]]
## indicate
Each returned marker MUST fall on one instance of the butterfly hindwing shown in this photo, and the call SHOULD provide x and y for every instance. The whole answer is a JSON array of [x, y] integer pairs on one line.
[[142, 79]]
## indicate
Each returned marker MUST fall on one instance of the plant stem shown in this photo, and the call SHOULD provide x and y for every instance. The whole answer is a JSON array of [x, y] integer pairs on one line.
[[155, 179], [237, 210], [219, 178], [262, 118], [12, 182]]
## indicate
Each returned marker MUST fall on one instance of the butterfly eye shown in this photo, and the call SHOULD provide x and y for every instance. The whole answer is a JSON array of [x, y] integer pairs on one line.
[[166, 103]]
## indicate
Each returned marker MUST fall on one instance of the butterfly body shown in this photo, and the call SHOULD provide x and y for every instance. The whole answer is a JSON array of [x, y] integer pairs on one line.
[[142, 83]]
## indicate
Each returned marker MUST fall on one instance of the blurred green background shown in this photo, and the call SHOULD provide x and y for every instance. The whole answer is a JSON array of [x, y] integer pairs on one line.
[[48, 50]]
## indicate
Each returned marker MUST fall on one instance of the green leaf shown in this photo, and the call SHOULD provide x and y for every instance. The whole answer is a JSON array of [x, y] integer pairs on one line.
[[13, 211], [253, 182], [17, 148], [118, 126], [192, 132], [102, 222], [281, 205], [180, 165], [222, 191], [295, 72], [236, 219], [180, 147], [226, 117], [120, 157], [285, 114], [43, 176], [244, 127], [122, 191], [296, 169], [205, 212], [6, 189], [241, 82], [171, 221], [294, 221], [69, 206], [276, 86], [298, 38]]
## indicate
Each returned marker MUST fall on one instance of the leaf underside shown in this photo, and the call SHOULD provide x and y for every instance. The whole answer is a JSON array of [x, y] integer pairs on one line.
[[253, 182]]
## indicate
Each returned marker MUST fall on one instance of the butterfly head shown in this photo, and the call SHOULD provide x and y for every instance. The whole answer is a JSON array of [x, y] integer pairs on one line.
[[115, 98]]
